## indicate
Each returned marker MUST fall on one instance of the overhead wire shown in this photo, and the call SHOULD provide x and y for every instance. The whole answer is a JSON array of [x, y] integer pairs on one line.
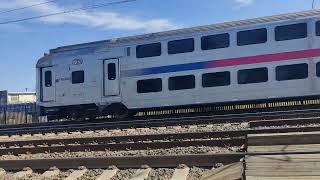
[[27, 7], [94, 6]]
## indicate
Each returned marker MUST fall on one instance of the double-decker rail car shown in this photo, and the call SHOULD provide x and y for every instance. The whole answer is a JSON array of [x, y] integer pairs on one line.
[[257, 59]]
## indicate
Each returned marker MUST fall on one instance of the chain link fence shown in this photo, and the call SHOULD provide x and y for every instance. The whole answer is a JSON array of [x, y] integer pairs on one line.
[[20, 114]]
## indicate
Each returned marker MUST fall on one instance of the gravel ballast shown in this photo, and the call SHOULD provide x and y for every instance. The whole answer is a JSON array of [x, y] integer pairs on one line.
[[156, 152], [128, 132]]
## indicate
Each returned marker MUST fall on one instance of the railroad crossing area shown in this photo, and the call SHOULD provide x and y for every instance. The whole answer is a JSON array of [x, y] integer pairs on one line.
[[283, 156], [200, 149], [269, 157]]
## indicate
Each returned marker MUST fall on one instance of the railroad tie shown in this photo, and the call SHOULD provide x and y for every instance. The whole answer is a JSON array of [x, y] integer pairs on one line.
[[181, 172], [2, 172], [142, 174], [109, 173], [231, 172], [77, 174], [51, 173], [23, 173]]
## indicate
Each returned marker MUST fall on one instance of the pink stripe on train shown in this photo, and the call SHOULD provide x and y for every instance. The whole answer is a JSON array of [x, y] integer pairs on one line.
[[310, 53]]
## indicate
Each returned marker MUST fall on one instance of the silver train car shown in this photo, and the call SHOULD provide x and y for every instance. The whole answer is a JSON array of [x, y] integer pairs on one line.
[[256, 59]]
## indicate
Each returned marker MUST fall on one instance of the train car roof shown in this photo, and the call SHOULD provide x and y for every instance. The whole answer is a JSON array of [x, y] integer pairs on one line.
[[260, 20]]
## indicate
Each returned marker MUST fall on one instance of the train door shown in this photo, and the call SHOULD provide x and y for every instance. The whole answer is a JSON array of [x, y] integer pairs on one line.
[[111, 83], [48, 84]]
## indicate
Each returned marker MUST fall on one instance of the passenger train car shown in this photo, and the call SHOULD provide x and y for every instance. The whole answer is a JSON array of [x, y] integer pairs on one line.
[[257, 59]]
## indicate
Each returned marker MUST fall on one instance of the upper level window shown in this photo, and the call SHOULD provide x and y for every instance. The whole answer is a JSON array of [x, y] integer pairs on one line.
[[48, 78], [292, 31], [255, 36], [291, 72], [148, 50], [216, 79], [250, 76], [77, 77], [149, 85], [215, 41], [182, 82], [318, 28], [112, 75], [181, 46]]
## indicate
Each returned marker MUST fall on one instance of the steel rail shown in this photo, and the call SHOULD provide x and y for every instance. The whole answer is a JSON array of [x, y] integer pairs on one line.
[[168, 161], [56, 127], [123, 146], [163, 161], [283, 122]]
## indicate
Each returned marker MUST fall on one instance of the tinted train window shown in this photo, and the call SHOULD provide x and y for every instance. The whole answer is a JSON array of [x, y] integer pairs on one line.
[[216, 79], [215, 41], [182, 82], [181, 46], [249, 76], [255, 36], [149, 85], [48, 78], [149, 50], [77, 77], [291, 72], [112, 74], [292, 31], [318, 28], [318, 69]]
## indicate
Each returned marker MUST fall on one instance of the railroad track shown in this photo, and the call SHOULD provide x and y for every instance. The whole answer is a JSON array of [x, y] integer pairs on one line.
[[108, 167], [72, 126], [233, 138], [142, 165]]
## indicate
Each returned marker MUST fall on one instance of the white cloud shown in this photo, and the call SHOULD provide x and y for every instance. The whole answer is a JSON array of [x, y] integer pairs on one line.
[[243, 3], [95, 19]]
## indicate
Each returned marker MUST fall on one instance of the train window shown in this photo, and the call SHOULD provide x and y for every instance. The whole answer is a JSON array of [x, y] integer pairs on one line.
[[128, 51], [291, 72], [318, 69], [250, 76], [149, 85], [318, 28], [215, 41], [148, 50], [112, 75], [182, 82], [181, 46], [77, 77], [216, 79], [48, 78], [292, 31], [256, 36]]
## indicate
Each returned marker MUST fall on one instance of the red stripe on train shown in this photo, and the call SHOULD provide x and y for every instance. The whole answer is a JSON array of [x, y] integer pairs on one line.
[[265, 58]]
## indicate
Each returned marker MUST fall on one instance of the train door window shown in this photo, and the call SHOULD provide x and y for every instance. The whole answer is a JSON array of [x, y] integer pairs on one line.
[[250, 76], [318, 28], [182, 82], [256, 36], [292, 31], [215, 41], [77, 77], [318, 69], [112, 73], [148, 50], [149, 85], [48, 78], [128, 51], [216, 79], [291, 72], [181, 46]]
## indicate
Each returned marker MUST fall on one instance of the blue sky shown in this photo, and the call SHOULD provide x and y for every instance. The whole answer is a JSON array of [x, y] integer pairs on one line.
[[21, 44]]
